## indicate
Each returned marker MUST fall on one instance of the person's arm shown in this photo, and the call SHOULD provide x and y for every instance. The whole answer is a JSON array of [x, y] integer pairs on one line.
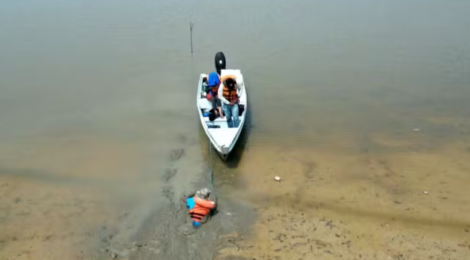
[[220, 94]]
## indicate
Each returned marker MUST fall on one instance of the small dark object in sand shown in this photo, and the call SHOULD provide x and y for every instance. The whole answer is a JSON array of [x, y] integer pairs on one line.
[[330, 224], [138, 245]]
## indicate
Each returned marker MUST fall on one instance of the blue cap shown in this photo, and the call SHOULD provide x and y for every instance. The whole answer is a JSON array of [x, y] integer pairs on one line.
[[213, 79]]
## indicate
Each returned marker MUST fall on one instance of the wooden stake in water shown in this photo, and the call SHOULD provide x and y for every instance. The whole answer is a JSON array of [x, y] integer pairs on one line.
[[191, 25]]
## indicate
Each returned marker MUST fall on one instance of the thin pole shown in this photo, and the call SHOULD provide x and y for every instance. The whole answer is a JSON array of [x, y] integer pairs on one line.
[[191, 25]]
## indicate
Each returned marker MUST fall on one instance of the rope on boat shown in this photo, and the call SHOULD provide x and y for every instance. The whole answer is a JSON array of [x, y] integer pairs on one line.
[[211, 172]]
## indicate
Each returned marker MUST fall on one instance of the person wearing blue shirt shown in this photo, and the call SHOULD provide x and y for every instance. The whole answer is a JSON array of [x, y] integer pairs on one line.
[[213, 83]]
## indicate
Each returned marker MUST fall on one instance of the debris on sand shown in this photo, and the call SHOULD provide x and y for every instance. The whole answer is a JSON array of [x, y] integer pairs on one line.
[[277, 178]]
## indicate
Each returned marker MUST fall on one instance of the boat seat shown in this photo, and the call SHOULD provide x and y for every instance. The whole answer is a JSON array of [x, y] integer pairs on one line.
[[204, 104]]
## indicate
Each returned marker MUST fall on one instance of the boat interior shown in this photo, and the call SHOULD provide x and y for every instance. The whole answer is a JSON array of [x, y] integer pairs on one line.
[[205, 106]]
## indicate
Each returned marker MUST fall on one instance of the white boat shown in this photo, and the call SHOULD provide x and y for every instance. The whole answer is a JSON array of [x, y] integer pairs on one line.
[[222, 138]]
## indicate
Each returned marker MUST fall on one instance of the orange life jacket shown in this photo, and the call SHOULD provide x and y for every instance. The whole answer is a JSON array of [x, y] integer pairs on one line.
[[201, 209], [230, 94]]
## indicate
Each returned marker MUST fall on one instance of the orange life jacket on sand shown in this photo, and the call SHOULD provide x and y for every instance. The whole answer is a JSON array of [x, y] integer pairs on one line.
[[201, 209]]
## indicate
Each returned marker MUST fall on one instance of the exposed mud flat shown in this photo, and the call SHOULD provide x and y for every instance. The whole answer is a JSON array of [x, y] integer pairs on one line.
[[98, 197], [385, 196]]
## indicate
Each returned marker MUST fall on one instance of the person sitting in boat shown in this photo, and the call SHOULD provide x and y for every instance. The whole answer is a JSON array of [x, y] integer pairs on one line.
[[213, 83], [228, 94], [199, 206]]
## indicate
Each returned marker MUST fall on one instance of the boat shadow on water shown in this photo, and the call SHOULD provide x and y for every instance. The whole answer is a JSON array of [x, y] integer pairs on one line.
[[236, 155]]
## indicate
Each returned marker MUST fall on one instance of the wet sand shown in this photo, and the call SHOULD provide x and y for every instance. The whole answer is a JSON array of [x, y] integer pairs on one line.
[[88, 196], [385, 196], [390, 197]]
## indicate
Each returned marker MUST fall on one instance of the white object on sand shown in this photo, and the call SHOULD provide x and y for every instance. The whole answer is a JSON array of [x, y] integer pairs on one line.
[[416, 129], [277, 178], [425, 192]]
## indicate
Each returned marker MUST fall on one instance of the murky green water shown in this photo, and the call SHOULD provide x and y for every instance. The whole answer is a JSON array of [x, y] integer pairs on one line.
[[100, 94]]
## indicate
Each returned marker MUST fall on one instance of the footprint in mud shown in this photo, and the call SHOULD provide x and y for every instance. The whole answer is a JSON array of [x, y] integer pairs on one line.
[[186, 229], [169, 174], [388, 172], [168, 193], [187, 141], [309, 169], [182, 138], [176, 154]]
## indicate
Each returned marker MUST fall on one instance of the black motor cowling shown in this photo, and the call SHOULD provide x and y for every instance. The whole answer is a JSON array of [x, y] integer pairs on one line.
[[220, 62]]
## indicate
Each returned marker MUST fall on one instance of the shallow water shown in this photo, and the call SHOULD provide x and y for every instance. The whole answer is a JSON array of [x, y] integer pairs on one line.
[[99, 127]]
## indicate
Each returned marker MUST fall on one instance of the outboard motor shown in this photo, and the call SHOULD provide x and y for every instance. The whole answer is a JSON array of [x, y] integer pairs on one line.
[[220, 62]]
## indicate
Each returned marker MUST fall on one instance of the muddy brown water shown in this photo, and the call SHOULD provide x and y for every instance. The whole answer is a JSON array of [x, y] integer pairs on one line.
[[361, 107]]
